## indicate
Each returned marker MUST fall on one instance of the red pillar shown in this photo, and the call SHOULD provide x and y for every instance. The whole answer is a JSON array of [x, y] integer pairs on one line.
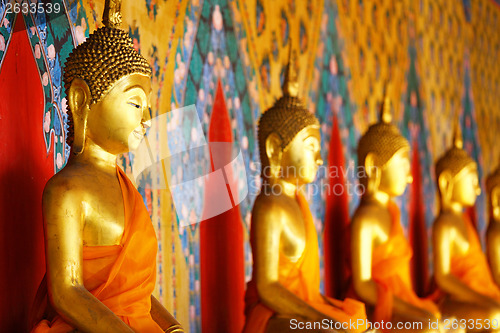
[[336, 233], [221, 249], [25, 167], [418, 229]]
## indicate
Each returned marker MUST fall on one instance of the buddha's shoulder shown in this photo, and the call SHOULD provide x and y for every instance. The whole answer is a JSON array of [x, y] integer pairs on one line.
[[69, 181], [272, 208], [369, 213], [446, 221]]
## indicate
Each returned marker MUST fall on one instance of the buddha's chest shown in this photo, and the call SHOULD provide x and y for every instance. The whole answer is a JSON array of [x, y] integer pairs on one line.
[[381, 229], [293, 237], [104, 217], [461, 244]]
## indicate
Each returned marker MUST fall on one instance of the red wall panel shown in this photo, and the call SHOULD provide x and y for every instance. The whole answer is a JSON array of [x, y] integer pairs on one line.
[[25, 167]]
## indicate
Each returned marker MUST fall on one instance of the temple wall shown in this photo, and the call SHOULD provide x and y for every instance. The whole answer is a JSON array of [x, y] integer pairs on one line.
[[440, 57]]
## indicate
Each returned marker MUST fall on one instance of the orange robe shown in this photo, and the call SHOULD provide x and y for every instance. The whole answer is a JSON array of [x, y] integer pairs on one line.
[[472, 268], [122, 276], [391, 272], [303, 279]]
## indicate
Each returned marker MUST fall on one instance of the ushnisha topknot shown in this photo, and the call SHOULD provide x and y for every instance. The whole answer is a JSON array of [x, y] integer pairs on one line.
[[455, 159], [382, 138], [288, 116], [106, 56]]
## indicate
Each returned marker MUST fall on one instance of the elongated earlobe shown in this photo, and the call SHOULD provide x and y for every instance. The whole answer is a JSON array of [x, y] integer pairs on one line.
[[79, 100], [274, 153], [372, 173], [80, 135], [445, 188]]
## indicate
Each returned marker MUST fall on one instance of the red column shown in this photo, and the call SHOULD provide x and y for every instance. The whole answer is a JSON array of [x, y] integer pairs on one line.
[[25, 167], [221, 249], [336, 233], [417, 228]]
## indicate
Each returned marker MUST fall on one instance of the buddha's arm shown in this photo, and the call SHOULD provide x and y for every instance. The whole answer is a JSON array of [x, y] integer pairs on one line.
[[268, 222], [443, 236], [362, 249], [362, 245], [163, 318], [493, 248], [63, 223]]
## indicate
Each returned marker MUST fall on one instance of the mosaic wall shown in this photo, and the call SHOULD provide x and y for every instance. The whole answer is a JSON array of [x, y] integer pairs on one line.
[[440, 60]]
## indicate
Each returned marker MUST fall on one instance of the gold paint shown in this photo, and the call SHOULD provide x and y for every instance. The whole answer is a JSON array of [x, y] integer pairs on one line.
[[485, 74], [455, 159], [287, 117], [290, 83], [375, 33], [385, 155], [265, 86], [381, 141], [458, 186], [106, 56], [493, 233], [112, 16], [83, 203], [171, 19], [289, 139]]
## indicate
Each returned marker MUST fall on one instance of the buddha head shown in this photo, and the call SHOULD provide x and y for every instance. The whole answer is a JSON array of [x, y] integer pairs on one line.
[[289, 137], [384, 156], [456, 174], [493, 190], [108, 86]]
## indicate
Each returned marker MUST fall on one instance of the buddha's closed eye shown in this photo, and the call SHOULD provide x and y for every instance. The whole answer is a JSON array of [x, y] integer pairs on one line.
[[134, 104]]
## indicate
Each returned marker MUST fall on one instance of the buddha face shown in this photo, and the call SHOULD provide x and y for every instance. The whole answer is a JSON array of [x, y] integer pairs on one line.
[[301, 158], [465, 188], [118, 122], [396, 173]]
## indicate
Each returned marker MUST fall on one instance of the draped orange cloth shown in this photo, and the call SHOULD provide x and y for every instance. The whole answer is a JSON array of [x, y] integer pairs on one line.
[[121, 276], [472, 268], [303, 279], [391, 272]]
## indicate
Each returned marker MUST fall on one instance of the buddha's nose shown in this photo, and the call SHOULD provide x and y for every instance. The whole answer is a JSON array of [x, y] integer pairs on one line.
[[146, 118], [146, 123], [147, 115]]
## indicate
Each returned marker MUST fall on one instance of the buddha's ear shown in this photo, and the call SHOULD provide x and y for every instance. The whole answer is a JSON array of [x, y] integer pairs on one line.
[[79, 97], [79, 100], [371, 168], [445, 186], [372, 172], [273, 149]]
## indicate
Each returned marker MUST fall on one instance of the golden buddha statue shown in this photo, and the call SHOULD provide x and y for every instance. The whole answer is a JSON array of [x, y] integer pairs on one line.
[[381, 253], [460, 267], [284, 294], [99, 240], [493, 232]]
